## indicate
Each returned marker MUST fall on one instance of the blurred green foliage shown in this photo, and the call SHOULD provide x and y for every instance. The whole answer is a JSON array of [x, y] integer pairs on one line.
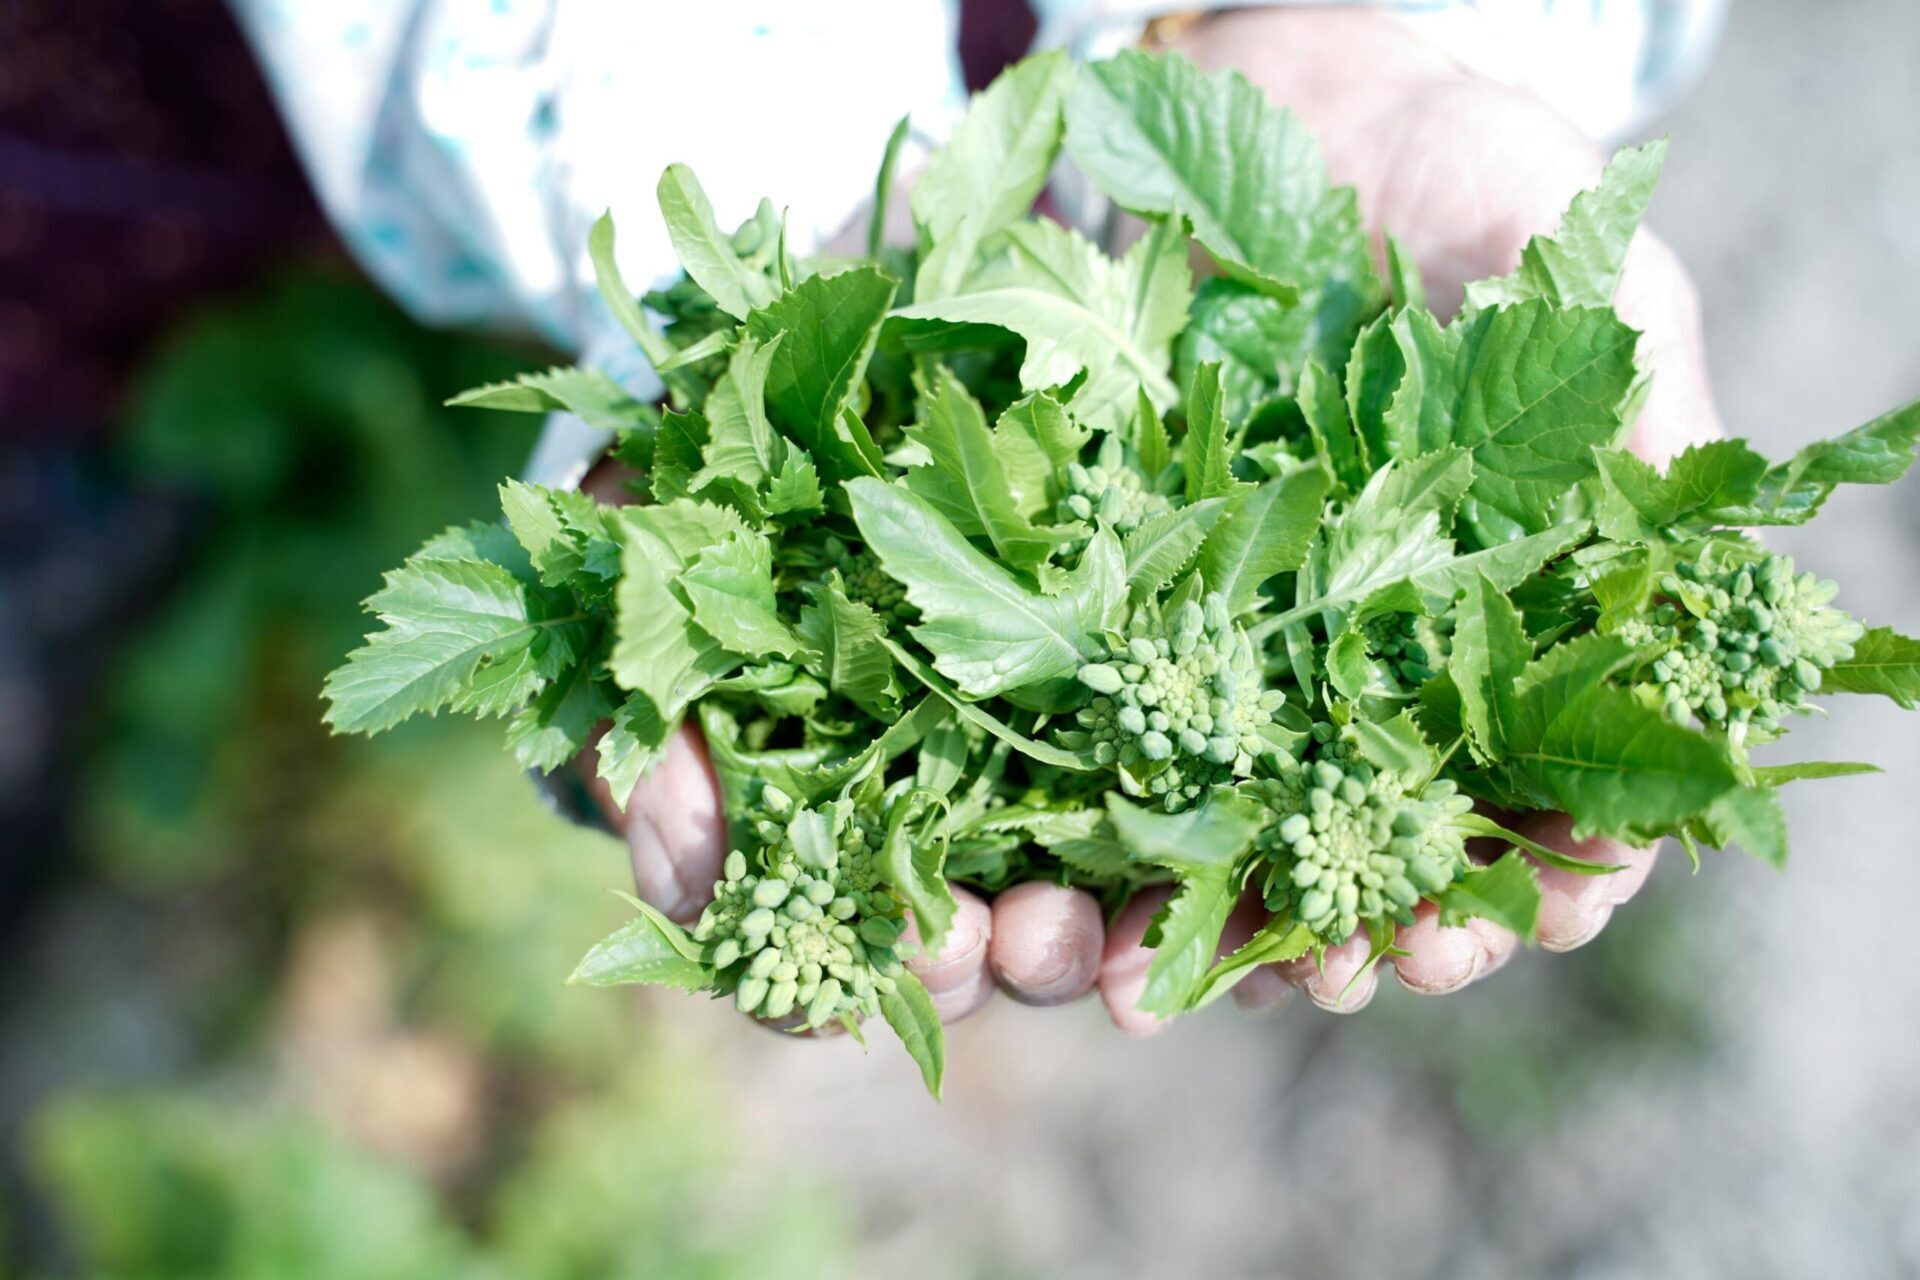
[[382, 1076], [304, 427]]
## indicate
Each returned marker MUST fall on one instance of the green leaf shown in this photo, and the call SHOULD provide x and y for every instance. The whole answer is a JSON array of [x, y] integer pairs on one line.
[[1490, 650], [883, 186], [966, 481], [987, 632], [741, 443], [1032, 748], [1507, 893], [854, 662], [1211, 837], [1777, 775], [1579, 265], [909, 1010], [555, 726], [830, 324], [1260, 343], [1334, 439], [595, 398], [1149, 437], [730, 588], [992, 169], [1404, 285], [1266, 531], [916, 870], [1792, 493], [1281, 939], [1396, 744], [1883, 662], [632, 745], [1080, 312], [563, 532], [1207, 455], [1616, 765], [1161, 547], [1539, 391], [1036, 439], [620, 301], [795, 489], [648, 949], [706, 251], [1160, 138], [1481, 827], [657, 648], [1751, 818], [1348, 666], [458, 632], [1189, 937]]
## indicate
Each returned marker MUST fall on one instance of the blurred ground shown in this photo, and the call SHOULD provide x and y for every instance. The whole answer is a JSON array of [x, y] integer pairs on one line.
[[333, 998]]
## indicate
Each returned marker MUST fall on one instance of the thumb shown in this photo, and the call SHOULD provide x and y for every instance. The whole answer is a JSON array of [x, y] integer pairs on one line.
[[674, 824]]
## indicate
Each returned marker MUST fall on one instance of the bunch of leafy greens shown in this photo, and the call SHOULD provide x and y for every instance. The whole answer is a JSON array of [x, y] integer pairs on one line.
[[1006, 559]]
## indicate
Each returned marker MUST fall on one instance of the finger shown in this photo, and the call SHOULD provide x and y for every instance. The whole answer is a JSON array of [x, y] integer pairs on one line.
[[1336, 983], [1261, 990], [1046, 942], [675, 827], [1574, 907], [956, 975], [1440, 959], [1123, 964], [1658, 297]]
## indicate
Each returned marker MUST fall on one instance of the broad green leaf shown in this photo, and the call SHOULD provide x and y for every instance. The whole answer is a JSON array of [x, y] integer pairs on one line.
[[1883, 662], [1334, 439], [1279, 940], [909, 1010], [1751, 818], [1507, 893], [830, 324], [1396, 744], [1348, 667], [993, 167], [631, 746], [1161, 547], [1618, 766], [1260, 343], [988, 633], [592, 396], [741, 442], [1160, 138], [649, 949], [847, 635], [562, 531], [730, 588], [706, 251], [1036, 439], [795, 489], [1878, 453], [1189, 937], [1080, 312], [451, 625], [657, 648], [1266, 530], [1490, 649], [1579, 265], [1404, 284], [1148, 436], [555, 726], [1208, 838], [966, 479]]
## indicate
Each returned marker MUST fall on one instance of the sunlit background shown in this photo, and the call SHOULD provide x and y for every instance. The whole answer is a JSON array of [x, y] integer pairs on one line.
[[281, 1006]]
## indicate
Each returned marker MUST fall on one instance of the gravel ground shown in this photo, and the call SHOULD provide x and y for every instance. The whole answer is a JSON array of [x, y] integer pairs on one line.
[[1727, 1083]]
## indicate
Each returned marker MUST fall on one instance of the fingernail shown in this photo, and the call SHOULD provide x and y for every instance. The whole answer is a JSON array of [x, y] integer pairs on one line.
[[1581, 926], [961, 953], [1046, 943], [965, 1000]]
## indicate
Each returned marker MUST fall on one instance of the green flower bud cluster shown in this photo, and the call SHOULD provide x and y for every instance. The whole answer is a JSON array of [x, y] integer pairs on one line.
[[812, 935], [1744, 642], [866, 582], [1109, 491], [1352, 844], [1179, 704], [1414, 648]]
